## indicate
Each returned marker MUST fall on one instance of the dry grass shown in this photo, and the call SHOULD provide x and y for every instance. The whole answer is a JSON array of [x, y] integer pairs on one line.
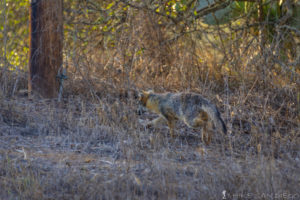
[[91, 145], [85, 149]]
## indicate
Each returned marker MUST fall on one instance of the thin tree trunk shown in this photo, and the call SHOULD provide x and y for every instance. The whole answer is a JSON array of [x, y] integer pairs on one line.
[[46, 42], [262, 28]]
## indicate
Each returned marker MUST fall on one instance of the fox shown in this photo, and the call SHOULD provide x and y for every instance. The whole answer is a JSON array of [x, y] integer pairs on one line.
[[191, 108]]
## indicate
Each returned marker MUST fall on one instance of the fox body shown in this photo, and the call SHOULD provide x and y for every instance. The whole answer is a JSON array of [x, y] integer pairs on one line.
[[191, 108]]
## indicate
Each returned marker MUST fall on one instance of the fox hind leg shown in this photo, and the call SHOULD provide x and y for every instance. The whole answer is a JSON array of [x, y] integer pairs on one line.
[[199, 121], [206, 135], [203, 121]]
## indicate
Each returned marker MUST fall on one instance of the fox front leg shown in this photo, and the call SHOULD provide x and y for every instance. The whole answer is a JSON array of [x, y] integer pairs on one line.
[[171, 125], [156, 122], [162, 120]]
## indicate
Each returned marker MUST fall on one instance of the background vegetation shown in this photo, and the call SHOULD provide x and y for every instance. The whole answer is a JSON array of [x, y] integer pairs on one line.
[[243, 55]]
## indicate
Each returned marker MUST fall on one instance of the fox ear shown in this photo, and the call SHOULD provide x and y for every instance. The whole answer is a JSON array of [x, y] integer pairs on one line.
[[145, 93], [141, 95]]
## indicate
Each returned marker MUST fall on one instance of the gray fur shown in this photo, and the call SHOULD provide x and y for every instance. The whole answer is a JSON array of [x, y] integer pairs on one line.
[[186, 107]]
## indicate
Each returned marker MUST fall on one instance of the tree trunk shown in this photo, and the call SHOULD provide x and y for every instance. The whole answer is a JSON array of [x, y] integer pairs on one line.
[[262, 27], [46, 42]]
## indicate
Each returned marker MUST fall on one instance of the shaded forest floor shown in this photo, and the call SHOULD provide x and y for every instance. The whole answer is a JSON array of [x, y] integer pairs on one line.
[[82, 149]]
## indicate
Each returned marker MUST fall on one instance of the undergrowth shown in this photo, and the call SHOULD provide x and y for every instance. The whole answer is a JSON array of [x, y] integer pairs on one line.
[[92, 146]]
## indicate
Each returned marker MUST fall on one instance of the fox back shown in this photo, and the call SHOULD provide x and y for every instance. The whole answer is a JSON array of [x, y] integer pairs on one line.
[[191, 108]]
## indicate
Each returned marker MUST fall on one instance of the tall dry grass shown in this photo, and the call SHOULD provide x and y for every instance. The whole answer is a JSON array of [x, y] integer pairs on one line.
[[91, 145]]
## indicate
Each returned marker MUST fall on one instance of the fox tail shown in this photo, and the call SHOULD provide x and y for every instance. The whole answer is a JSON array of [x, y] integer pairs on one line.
[[215, 116]]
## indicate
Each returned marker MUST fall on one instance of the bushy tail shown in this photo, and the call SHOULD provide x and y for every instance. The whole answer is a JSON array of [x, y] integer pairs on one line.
[[215, 116]]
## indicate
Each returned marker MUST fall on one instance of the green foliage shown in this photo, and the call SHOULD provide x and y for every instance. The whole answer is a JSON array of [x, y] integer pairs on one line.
[[14, 33], [101, 20], [259, 18], [219, 16], [272, 12], [104, 21]]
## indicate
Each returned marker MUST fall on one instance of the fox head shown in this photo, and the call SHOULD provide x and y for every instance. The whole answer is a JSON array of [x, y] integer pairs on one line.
[[143, 98]]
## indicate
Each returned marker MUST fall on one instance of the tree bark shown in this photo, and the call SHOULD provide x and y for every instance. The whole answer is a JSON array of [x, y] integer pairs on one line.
[[46, 42]]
